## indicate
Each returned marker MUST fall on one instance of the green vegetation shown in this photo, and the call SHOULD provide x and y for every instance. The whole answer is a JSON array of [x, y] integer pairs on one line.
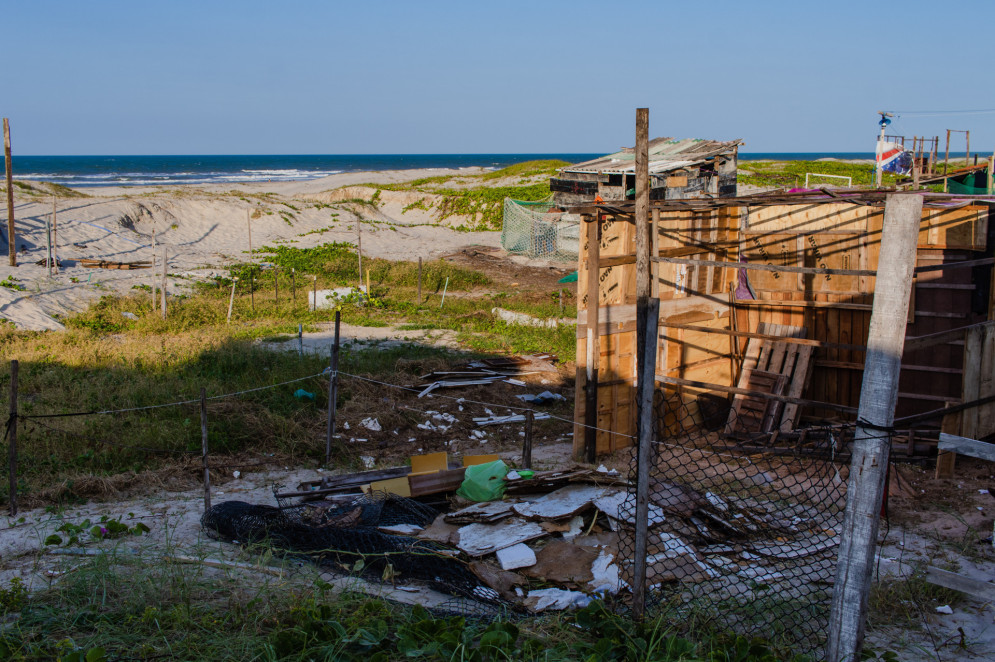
[[111, 607], [791, 174], [472, 196], [107, 360]]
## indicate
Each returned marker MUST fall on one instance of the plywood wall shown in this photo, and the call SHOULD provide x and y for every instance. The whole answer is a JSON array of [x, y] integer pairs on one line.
[[833, 308]]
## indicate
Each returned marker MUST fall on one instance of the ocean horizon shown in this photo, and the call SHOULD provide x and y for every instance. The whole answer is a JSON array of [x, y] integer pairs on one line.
[[151, 170]]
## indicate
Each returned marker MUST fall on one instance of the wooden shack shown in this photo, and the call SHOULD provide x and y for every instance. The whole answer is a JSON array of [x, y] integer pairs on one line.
[[772, 294], [678, 169]]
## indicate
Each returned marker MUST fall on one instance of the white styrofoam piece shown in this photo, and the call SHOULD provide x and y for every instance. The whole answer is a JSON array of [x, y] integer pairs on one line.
[[516, 556]]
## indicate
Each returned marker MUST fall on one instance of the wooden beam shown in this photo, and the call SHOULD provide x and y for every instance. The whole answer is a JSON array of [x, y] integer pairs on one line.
[[721, 388], [921, 342], [984, 591], [766, 267], [871, 444], [966, 446], [766, 336]]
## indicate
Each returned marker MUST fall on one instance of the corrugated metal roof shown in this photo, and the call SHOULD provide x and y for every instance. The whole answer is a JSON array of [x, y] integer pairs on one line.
[[665, 154]]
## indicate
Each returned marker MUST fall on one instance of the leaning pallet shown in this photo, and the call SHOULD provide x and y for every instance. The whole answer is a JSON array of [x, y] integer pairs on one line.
[[774, 367]]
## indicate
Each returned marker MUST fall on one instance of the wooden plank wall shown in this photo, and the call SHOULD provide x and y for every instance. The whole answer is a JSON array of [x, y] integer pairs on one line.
[[834, 309]]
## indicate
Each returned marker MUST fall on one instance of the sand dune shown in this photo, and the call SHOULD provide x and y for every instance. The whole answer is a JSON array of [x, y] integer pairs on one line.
[[203, 229]]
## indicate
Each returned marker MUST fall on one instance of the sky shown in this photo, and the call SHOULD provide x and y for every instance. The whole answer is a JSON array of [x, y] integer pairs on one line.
[[435, 77]]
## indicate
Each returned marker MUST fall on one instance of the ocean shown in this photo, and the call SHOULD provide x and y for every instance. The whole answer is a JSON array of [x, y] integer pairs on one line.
[[84, 171]]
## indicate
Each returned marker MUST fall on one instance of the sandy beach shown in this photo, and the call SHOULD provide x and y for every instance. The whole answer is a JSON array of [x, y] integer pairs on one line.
[[205, 228]]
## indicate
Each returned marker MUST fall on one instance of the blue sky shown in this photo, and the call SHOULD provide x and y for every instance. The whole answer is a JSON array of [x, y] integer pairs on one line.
[[387, 77]]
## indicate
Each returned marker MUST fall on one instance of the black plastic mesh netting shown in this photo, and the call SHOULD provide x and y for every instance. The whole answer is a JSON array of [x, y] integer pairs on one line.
[[347, 538], [743, 524]]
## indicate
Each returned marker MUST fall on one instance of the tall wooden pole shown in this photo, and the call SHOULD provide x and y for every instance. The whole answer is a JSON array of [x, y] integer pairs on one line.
[[154, 274], [645, 360], [875, 415], [333, 391], [359, 247], [55, 235], [12, 438], [248, 224], [293, 288], [203, 448], [11, 250], [48, 241], [165, 270], [593, 241], [946, 156]]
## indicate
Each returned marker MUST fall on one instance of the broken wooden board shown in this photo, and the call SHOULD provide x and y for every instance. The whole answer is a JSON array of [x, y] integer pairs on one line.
[[482, 539], [484, 513], [755, 413], [437, 482], [973, 587], [561, 504], [502, 581], [90, 263], [677, 499], [794, 550]]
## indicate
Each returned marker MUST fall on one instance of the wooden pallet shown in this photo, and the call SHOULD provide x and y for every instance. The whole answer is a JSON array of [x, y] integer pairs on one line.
[[775, 367]]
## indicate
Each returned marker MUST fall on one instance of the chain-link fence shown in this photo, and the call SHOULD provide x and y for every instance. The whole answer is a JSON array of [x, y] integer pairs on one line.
[[539, 230], [743, 524]]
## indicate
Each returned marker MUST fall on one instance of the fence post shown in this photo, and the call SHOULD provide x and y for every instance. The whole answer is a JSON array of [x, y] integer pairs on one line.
[[875, 415], [55, 232], [527, 446], [231, 301], [646, 334], [293, 288], [11, 250], [203, 446], [419, 281], [12, 438], [153, 274], [165, 269], [252, 287], [300, 340], [444, 290], [276, 285], [314, 305], [333, 391]]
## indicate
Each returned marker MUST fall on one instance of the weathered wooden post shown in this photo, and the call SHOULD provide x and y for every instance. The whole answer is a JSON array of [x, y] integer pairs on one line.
[[165, 270], [527, 444], [293, 288], [203, 447], [55, 235], [11, 251], [12, 438], [154, 273], [333, 391], [593, 241], [231, 300], [359, 248], [875, 415], [647, 312]]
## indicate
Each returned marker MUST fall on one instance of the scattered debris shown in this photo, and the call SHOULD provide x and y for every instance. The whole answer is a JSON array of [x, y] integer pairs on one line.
[[544, 398], [483, 421], [371, 424], [89, 263], [556, 599], [561, 504]]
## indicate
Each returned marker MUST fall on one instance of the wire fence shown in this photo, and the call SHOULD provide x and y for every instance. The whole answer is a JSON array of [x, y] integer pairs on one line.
[[736, 541]]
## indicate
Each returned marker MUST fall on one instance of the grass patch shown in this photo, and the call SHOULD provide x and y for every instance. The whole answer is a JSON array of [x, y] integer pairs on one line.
[[112, 608]]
